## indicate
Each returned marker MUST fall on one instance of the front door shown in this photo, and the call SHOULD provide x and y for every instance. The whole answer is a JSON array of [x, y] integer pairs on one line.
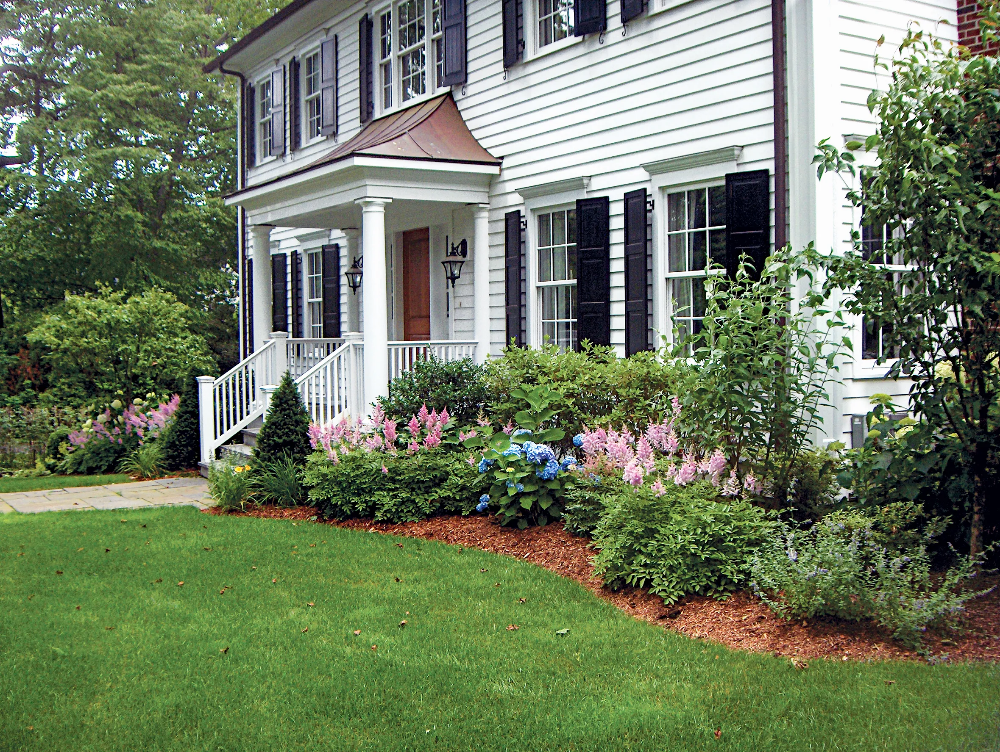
[[416, 285]]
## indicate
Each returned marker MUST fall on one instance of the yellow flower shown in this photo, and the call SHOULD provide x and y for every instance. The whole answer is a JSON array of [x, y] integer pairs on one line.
[[237, 469]]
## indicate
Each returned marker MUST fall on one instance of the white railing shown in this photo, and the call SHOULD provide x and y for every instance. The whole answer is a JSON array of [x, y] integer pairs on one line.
[[236, 398], [334, 388], [402, 355], [304, 354]]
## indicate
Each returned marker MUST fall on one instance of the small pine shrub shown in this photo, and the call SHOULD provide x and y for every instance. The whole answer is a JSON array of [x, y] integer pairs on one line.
[[181, 442], [146, 461], [285, 432], [457, 385], [278, 483]]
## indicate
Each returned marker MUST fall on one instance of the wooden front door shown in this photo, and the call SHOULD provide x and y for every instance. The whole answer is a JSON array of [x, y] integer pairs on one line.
[[416, 285]]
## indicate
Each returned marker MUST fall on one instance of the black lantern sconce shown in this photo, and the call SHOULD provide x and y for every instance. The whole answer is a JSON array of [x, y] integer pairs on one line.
[[354, 275], [455, 256]]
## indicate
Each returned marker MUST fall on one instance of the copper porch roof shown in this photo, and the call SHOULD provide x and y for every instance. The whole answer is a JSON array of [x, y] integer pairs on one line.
[[432, 130]]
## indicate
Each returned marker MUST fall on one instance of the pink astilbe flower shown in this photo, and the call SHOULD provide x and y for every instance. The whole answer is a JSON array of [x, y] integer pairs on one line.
[[688, 471], [315, 432], [378, 416], [509, 428], [444, 417], [594, 441], [751, 484], [482, 421], [431, 420], [389, 430], [732, 485], [676, 405], [633, 474], [715, 466], [422, 413], [373, 442], [385, 470], [413, 447], [331, 454], [471, 460], [433, 438], [658, 488], [414, 426], [671, 443], [644, 452], [462, 435]]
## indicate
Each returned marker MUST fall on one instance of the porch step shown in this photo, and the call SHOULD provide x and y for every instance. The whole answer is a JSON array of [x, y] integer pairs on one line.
[[235, 452], [250, 432]]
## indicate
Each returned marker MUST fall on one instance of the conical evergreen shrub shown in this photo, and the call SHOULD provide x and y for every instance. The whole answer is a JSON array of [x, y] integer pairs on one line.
[[285, 432], [182, 440]]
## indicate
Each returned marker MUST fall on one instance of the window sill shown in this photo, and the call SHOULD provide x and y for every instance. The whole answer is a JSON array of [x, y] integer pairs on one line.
[[867, 370], [412, 102]]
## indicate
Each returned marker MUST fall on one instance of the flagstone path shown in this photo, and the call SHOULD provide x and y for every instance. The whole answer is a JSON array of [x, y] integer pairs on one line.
[[147, 493]]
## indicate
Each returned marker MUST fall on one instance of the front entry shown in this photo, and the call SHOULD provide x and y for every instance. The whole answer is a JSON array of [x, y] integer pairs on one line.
[[416, 285]]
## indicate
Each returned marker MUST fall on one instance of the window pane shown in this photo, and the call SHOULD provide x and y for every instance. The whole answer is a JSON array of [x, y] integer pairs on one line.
[[545, 265], [717, 206], [717, 246], [549, 332], [682, 297], [558, 228], [549, 303], [559, 263], [696, 209], [675, 212], [571, 226], [677, 253], [699, 251], [544, 230], [698, 297]]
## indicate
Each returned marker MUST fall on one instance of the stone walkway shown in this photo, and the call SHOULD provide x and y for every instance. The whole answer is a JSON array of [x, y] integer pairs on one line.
[[147, 493]]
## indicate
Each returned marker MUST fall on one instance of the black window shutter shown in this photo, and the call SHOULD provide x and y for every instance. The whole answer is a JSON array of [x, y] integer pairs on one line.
[[748, 219], [513, 35], [593, 270], [328, 83], [297, 313], [277, 113], [294, 105], [453, 39], [367, 82], [250, 130], [248, 307], [512, 277], [331, 291], [636, 299], [632, 9], [590, 16], [279, 293]]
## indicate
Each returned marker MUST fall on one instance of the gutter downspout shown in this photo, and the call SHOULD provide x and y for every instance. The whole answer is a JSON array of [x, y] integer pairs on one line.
[[780, 124], [241, 219]]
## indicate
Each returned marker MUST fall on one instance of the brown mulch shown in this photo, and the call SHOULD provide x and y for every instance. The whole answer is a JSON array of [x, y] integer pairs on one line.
[[740, 622]]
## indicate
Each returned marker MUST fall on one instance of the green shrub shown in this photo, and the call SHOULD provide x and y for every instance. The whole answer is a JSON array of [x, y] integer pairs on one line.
[[146, 461], [57, 447], [584, 507], [684, 541], [278, 482], [456, 385], [285, 432], [96, 457], [597, 387], [393, 487], [834, 569], [229, 484], [182, 438], [812, 490]]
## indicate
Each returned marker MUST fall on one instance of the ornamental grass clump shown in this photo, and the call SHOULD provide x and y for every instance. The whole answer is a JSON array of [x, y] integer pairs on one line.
[[230, 485]]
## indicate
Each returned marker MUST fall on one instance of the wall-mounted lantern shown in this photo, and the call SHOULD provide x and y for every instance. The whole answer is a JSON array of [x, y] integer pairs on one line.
[[455, 256], [354, 274]]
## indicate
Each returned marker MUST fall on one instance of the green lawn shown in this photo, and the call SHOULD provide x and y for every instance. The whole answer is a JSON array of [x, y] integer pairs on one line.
[[454, 678], [20, 485]]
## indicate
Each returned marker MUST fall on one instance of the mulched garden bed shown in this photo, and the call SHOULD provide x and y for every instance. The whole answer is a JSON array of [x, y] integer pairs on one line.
[[741, 621]]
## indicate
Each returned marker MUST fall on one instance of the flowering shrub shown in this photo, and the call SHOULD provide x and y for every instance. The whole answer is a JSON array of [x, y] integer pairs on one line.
[[229, 484], [833, 569], [425, 430]]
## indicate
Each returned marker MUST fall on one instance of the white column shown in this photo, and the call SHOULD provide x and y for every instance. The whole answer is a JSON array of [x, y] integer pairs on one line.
[[261, 235], [481, 279], [376, 307], [206, 418], [353, 235]]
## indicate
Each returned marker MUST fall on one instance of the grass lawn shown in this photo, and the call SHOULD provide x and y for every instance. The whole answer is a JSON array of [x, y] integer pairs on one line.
[[20, 485], [273, 664]]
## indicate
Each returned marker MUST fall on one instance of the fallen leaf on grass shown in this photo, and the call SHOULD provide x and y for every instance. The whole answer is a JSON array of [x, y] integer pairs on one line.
[[310, 604], [79, 549], [253, 567], [58, 571], [312, 545], [357, 632], [400, 545], [224, 650], [124, 520], [402, 623], [158, 579], [305, 630], [77, 608], [374, 647], [799, 663], [274, 580], [562, 632], [21, 554], [512, 627], [496, 584], [522, 600], [207, 549], [180, 584], [889, 682], [109, 627], [718, 733]]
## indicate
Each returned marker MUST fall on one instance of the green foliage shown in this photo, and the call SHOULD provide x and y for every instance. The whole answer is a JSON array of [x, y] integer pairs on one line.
[[230, 485], [585, 504], [813, 489], [109, 344], [934, 188], [24, 432], [278, 482], [596, 387], [146, 461], [456, 385], [393, 487], [96, 457], [181, 440], [285, 432], [842, 570], [58, 443], [526, 481], [684, 541], [762, 362]]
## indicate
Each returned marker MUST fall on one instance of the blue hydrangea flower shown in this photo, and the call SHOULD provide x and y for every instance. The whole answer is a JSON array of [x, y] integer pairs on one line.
[[520, 487], [567, 462], [539, 454], [510, 484], [485, 464], [578, 440], [548, 472], [512, 451], [520, 432], [484, 503]]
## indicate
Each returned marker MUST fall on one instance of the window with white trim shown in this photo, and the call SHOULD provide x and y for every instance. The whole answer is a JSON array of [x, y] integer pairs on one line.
[[385, 58], [696, 241], [313, 100], [411, 43], [555, 21], [314, 292], [555, 243], [410, 51], [264, 128], [875, 338], [437, 40]]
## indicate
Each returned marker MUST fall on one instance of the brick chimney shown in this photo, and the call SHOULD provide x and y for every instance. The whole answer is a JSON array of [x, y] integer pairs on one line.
[[968, 28]]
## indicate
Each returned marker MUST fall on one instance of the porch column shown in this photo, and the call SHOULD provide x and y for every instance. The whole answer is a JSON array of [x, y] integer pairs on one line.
[[353, 235], [261, 238], [376, 306], [481, 280]]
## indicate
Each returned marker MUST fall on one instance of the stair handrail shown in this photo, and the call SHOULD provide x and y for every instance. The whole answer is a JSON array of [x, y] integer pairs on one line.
[[330, 389]]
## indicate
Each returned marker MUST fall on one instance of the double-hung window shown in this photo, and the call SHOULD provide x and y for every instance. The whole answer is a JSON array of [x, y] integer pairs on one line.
[[314, 293], [411, 33], [385, 58], [410, 51], [696, 240], [313, 99], [555, 21], [264, 127], [556, 246], [876, 337]]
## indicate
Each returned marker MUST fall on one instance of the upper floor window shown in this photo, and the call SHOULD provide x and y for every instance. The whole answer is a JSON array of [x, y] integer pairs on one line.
[[265, 132], [385, 58], [556, 246], [313, 100], [410, 51], [696, 239], [555, 21]]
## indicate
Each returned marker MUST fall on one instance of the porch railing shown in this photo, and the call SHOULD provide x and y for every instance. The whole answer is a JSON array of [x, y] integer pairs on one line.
[[402, 355], [334, 387], [304, 354]]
